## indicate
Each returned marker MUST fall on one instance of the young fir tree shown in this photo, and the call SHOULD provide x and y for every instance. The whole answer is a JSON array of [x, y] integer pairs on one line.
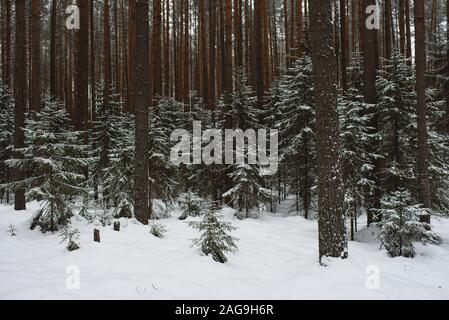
[[401, 226], [106, 135], [6, 138], [215, 239], [438, 156], [296, 129], [247, 185], [190, 204], [162, 173], [356, 139], [397, 114], [53, 160]]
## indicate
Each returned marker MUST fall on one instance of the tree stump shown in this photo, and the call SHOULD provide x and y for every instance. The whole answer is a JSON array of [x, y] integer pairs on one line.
[[117, 226], [96, 235]]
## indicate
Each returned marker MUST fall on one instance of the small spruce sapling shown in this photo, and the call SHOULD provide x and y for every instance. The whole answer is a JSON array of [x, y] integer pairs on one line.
[[190, 204], [12, 230], [215, 238], [401, 226], [71, 237], [158, 230]]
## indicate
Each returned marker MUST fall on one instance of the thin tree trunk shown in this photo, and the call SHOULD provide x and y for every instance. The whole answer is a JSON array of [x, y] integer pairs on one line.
[[107, 57], [131, 55], [156, 51], [212, 53], [35, 99], [53, 76], [421, 109], [82, 70]]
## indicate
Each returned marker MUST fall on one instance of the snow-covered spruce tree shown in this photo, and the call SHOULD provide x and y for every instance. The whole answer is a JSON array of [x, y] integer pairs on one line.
[[208, 180], [71, 237], [356, 139], [106, 135], [247, 185], [401, 226], [190, 204], [6, 138], [397, 114], [117, 178], [53, 160], [163, 121], [296, 129], [438, 156], [215, 238]]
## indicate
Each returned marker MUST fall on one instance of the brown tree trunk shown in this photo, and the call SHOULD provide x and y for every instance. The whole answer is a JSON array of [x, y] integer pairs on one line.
[[421, 108], [203, 61], [186, 54], [227, 86], [93, 85], [212, 53], [371, 60], [299, 19], [107, 56], [388, 29], [259, 67], [35, 98], [19, 97], [238, 34], [332, 239], [53, 75], [131, 55], [142, 96], [167, 70], [156, 51], [402, 26], [82, 69], [408, 31], [344, 45]]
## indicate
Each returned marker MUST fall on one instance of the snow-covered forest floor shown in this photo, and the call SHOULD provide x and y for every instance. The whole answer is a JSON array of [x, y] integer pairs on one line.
[[277, 259]]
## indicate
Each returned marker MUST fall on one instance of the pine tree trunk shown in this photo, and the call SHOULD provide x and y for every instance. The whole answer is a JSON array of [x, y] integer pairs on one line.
[[203, 61], [421, 109], [402, 26], [408, 31], [82, 70], [344, 45], [142, 96], [228, 67], [107, 57], [370, 66], [19, 97], [388, 29], [258, 70], [35, 99], [93, 84], [332, 235], [131, 55], [212, 53], [156, 50], [53, 76]]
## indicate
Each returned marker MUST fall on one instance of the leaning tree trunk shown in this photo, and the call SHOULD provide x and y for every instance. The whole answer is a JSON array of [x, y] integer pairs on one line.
[[421, 109], [332, 235]]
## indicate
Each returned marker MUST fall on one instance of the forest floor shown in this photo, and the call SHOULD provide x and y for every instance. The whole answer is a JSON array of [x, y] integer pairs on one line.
[[277, 259]]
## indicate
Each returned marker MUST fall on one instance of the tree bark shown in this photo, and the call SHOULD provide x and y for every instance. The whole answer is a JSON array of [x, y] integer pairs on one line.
[[421, 108], [82, 69], [142, 96], [35, 99], [53, 76], [20, 97], [332, 235], [156, 51]]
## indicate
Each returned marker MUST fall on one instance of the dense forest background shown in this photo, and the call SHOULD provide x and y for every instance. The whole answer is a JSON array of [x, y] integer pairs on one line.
[[363, 113]]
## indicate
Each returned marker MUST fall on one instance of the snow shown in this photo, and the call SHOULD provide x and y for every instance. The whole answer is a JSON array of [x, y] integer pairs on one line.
[[277, 259]]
